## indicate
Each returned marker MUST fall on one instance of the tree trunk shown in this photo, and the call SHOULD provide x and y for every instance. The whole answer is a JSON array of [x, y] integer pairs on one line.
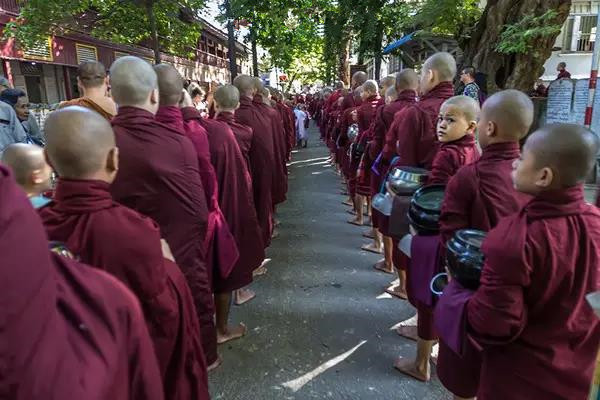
[[516, 71], [254, 52], [344, 58], [377, 50], [153, 30], [231, 41]]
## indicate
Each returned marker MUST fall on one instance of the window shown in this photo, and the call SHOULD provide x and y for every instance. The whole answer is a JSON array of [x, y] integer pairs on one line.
[[86, 53], [41, 51], [119, 54], [580, 33]]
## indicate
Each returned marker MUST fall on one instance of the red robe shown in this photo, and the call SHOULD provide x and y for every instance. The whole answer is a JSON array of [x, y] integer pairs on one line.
[[68, 331], [477, 197], [539, 336], [221, 250], [243, 136], [262, 160], [159, 178], [289, 127], [412, 136], [82, 216], [382, 124], [279, 188], [450, 157], [235, 200], [366, 115]]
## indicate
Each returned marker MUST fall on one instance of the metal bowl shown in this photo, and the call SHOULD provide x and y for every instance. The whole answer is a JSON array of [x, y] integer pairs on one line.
[[406, 180], [425, 209], [464, 257]]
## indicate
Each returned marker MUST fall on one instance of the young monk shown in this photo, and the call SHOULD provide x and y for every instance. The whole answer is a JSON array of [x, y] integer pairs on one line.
[[456, 133], [93, 86], [68, 331], [81, 148], [30, 170], [262, 156], [477, 197], [538, 335], [159, 178], [235, 199], [407, 83]]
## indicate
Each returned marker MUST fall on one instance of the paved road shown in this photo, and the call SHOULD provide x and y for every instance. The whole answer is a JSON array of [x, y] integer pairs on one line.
[[319, 306]]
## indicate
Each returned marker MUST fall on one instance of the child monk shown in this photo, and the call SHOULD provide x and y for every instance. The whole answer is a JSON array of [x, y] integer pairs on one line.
[[456, 133], [477, 197], [30, 170], [102, 233], [539, 336]]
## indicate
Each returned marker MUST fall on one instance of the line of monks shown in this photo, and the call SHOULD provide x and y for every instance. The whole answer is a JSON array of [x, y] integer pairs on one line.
[[173, 212], [527, 332]]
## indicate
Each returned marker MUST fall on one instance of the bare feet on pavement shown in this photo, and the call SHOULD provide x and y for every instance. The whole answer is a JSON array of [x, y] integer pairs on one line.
[[242, 296], [409, 368], [381, 266], [231, 333]]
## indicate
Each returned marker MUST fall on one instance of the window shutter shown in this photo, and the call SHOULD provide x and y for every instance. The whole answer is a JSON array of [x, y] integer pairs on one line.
[[42, 51], [86, 53]]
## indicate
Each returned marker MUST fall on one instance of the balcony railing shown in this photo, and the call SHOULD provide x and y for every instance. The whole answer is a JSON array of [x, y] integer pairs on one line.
[[10, 6]]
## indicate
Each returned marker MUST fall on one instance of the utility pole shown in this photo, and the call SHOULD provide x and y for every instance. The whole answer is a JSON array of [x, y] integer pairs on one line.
[[231, 41]]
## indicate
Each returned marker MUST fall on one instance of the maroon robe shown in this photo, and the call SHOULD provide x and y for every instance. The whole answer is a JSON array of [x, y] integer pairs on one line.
[[539, 336], [412, 136], [289, 127], [221, 250], [82, 216], [243, 136], [279, 188], [382, 124], [262, 159], [235, 200], [68, 331], [477, 197], [159, 177], [450, 157], [365, 115]]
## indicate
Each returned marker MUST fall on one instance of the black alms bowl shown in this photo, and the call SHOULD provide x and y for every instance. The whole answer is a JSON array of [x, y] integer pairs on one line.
[[464, 257], [404, 181], [425, 209]]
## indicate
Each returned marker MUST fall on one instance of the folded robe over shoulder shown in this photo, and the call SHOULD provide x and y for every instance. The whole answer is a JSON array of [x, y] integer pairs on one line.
[[68, 331], [159, 177], [451, 157], [118, 240]]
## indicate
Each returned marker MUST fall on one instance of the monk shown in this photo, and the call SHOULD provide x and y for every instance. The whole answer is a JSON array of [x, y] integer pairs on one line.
[[456, 134], [412, 137], [220, 246], [68, 331], [406, 86], [477, 197], [262, 154], [532, 321], [159, 177], [235, 198], [81, 148], [93, 85], [30, 170]]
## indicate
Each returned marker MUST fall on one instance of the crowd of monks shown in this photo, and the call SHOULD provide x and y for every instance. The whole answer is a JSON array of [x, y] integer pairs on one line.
[[527, 332], [118, 278]]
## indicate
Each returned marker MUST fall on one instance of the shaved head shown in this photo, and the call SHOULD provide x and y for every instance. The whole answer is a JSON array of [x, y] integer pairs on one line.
[[258, 85], [245, 85], [391, 94], [569, 150], [466, 105], [339, 85], [227, 97], [512, 113], [132, 80], [371, 87], [387, 83], [407, 79], [443, 64], [359, 78], [24, 159], [78, 142], [170, 84]]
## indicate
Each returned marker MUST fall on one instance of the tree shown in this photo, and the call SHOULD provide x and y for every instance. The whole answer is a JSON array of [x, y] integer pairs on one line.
[[164, 24]]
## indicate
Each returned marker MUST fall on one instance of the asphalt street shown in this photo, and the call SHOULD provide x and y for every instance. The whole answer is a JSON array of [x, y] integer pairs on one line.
[[321, 325]]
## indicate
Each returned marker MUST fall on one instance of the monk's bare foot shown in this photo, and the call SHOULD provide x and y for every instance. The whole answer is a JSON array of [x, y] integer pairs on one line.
[[409, 368], [372, 248], [347, 203], [397, 291], [215, 365], [276, 223], [408, 331], [231, 333], [242, 296], [259, 271], [356, 222], [381, 266], [351, 212], [369, 235], [275, 234]]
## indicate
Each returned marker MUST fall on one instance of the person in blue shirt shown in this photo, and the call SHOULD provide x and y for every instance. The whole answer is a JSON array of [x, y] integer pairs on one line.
[[31, 171], [467, 77]]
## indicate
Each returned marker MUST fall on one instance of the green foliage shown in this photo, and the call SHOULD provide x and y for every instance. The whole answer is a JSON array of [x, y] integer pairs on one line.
[[121, 21], [521, 36], [451, 17]]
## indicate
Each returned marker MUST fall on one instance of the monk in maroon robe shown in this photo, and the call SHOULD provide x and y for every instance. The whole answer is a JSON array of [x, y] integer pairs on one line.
[[262, 154], [412, 137], [456, 127], [407, 83], [81, 148], [68, 331], [477, 197], [235, 199], [539, 337], [159, 177]]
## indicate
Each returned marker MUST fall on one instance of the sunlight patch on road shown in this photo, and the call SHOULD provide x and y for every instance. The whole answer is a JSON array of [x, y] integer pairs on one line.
[[309, 161], [298, 383]]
